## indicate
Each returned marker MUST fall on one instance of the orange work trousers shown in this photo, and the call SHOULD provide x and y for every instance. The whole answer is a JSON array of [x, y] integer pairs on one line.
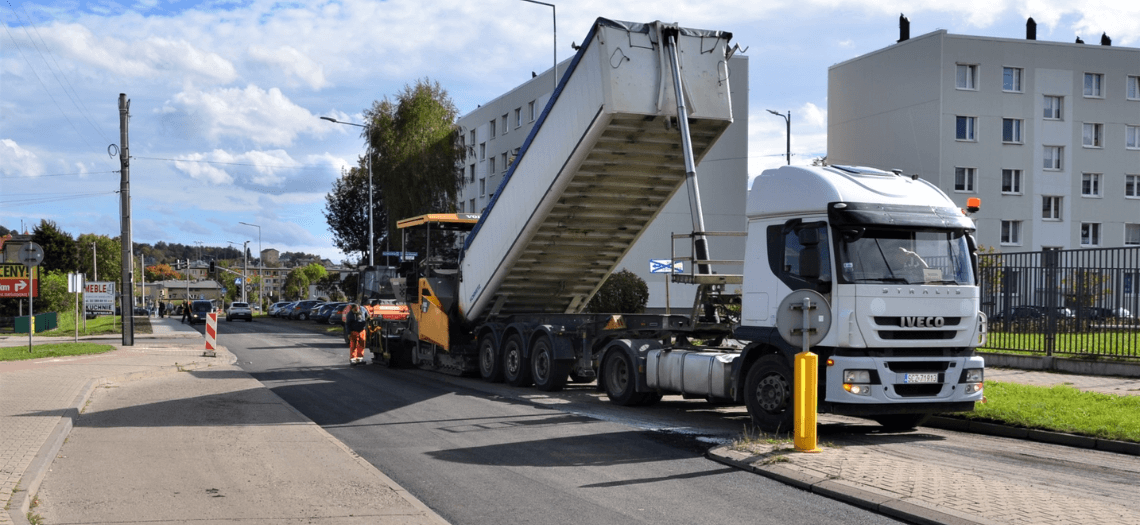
[[356, 343]]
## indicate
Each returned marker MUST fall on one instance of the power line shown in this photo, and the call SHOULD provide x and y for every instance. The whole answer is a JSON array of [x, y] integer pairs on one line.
[[280, 166], [79, 173], [55, 197]]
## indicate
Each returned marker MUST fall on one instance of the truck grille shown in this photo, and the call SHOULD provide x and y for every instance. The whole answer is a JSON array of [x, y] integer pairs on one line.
[[918, 390], [915, 335]]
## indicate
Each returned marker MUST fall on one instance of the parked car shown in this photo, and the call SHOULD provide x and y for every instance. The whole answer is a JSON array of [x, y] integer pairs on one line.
[[302, 309], [1094, 313], [283, 312], [337, 316], [322, 314], [1021, 313], [199, 310], [273, 308], [239, 311]]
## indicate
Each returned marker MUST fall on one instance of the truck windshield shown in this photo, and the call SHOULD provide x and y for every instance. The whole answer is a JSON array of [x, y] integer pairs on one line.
[[869, 255]]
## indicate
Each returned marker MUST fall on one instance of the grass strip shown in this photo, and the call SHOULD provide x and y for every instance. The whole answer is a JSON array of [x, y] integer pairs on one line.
[[1061, 408], [19, 353]]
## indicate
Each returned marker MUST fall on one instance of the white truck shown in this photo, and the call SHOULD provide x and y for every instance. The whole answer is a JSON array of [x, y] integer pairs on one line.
[[892, 256]]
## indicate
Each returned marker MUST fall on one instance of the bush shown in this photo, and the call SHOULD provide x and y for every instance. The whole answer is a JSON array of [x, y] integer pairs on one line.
[[622, 293]]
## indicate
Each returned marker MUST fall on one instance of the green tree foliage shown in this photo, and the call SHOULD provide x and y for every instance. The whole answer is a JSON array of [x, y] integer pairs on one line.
[[107, 257], [298, 281], [346, 211], [53, 293], [416, 147], [59, 247], [622, 293]]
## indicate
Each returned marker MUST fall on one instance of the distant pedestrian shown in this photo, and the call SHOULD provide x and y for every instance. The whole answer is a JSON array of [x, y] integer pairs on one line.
[[356, 323], [185, 310], [161, 309]]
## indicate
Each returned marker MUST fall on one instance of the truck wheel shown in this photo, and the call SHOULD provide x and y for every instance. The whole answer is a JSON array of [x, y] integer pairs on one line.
[[516, 369], [549, 374], [490, 363], [901, 422], [768, 394], [619, 380]]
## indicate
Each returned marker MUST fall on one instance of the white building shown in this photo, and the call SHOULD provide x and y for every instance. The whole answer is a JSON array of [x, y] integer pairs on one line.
[[495, 132], [1047, 134]]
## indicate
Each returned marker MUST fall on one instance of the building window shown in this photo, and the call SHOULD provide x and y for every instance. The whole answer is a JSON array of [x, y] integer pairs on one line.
[[505, 165], [518, 117], [504, 123], [1054, 109], [530, 110], [492, 129], [1133, 87], [964, 129], [1011, 79], [1054, 157], [1094, 85], [1011, 130], [1090, 184], [1011, 232], [1093, 136], [482, 151], [1132, 186], [491, 166], [461, 204], [1131, 234], [1011, 182], [472, 205], [1132, 137], [964, 179], [1090, 234], [1051, 208], [967, 77], [482, 187], [472, 175]]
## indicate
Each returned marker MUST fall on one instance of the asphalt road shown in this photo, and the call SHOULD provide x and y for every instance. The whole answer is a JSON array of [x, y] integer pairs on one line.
[[489, 454]]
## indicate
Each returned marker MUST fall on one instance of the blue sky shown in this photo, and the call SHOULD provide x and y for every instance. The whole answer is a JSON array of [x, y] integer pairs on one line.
[[226, 95]]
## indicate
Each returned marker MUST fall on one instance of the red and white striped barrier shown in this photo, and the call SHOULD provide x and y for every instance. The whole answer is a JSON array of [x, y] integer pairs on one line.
[[211, 333]]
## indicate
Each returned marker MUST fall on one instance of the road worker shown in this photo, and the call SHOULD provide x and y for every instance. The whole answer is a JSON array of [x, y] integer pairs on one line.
[[356, 323]]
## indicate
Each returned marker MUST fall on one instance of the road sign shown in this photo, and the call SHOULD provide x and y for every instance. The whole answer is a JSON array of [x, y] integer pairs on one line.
[[99, 296], [666, 266], [14, 281], [30, 254]]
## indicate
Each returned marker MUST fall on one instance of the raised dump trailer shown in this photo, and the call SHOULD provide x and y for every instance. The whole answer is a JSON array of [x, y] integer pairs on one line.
[[600, 163]]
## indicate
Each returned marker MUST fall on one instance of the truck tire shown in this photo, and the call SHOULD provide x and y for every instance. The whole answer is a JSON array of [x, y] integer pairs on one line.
[[516, 369], [768, 394], [619, 380], [901, 422], [549, 374], [490, 360]]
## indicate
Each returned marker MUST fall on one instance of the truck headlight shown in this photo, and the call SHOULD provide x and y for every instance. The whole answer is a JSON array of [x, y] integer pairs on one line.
[[973, 388], [857, 376], [973, 375]]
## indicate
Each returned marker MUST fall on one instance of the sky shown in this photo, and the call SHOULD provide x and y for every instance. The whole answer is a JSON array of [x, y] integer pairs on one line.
[[226, 95]]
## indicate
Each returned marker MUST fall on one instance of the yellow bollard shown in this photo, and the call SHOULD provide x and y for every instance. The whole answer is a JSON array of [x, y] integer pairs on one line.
[[804, 398]]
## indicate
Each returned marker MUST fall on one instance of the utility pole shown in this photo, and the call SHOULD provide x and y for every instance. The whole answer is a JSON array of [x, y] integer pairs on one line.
[[126, 300]]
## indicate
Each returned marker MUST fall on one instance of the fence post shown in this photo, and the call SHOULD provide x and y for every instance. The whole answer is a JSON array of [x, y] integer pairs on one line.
[[1051, 295]]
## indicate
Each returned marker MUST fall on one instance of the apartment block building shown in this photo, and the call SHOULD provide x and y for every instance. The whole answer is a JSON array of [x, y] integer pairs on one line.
[[1047, 134], [494, 134]]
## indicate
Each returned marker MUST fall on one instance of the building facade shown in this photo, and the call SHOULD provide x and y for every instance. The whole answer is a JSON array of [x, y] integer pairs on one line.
[[1047, 134], [494, 133]]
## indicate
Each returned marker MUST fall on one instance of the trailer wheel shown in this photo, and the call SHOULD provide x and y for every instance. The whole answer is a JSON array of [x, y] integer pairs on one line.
[[901, 422], [619, 380], [490, 363], [516, 369], [768, 394], [549, 375]]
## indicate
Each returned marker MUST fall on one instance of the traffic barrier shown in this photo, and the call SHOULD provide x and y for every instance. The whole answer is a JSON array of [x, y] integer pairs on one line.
[[805, 393], [211, 334]]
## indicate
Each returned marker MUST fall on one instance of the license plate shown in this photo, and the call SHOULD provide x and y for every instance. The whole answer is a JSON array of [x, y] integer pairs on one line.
[[912, 379]]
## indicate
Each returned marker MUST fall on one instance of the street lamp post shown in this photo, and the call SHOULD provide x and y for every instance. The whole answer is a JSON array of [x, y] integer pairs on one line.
[[554, 13], [788, 118], [368, 165], [260, 263]]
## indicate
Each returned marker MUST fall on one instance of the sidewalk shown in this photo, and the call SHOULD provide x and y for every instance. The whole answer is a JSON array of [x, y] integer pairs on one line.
[[144, 443]]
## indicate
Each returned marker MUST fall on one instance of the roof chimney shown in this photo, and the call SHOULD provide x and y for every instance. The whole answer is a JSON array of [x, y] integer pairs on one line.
[[1030, 29], [1079, 41], [1104, 40], [904, 28]]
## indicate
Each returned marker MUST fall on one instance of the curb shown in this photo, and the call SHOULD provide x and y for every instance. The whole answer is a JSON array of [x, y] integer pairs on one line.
[[21, 501], [880, 502], [1028, 434]]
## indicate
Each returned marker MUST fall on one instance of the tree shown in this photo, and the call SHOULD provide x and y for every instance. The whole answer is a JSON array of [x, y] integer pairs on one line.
[[107, 255], [416, 147], [298, 281], [161, 272], [622, 293], [59, 247], [346, 211]]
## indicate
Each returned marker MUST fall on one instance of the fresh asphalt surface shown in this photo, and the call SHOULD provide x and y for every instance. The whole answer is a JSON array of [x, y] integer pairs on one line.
[[489, 454]]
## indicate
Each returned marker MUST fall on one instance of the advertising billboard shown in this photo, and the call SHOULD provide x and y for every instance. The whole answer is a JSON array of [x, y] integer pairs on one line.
[[99, 297], [14, 281]]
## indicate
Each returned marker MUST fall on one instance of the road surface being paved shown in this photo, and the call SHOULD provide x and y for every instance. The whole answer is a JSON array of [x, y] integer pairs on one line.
[[193, 435]]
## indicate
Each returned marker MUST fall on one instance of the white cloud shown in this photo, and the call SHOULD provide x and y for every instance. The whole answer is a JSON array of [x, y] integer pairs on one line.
[[293, 63], [17, 161], [196, 166], [261, 168], [254, 114], [150, 57]]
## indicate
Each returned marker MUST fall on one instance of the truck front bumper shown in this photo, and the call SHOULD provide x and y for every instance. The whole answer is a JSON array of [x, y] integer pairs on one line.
[[933, 382]]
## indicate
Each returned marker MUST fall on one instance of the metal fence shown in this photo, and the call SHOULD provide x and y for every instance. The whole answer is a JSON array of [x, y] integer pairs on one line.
[[1064, 302]]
